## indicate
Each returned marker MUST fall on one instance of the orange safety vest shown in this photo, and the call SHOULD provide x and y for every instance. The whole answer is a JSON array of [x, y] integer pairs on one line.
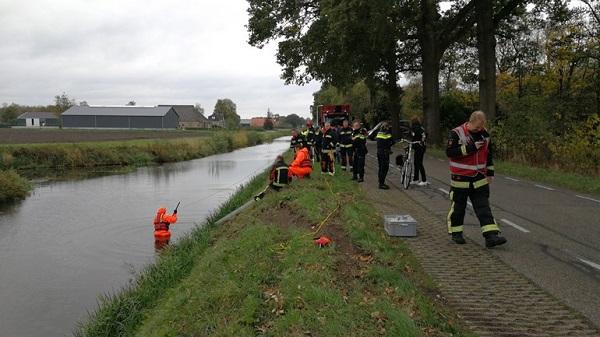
[[470, 164], [160, 223]]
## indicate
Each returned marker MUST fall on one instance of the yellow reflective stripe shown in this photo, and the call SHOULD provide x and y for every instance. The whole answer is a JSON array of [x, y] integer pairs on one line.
[[480, 183], [459, 184], [456, 229], [491, 167], [449, 215], [345, 145], [489, 228], [463, 150], [384, 136]]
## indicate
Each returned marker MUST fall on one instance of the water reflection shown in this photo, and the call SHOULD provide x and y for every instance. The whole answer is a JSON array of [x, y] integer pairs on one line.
[[73, 240]]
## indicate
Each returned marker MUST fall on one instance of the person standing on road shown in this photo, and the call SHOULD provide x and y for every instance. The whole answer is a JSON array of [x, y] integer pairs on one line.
[[384, 149], [359, 145], [418, 135], [472, 170], [345, 138], [328, 147]]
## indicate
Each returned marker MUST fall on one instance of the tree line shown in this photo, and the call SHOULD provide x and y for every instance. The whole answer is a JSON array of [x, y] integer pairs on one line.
[[532, 66]]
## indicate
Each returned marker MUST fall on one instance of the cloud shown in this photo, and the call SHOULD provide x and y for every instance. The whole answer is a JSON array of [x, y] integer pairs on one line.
[[154, 52]]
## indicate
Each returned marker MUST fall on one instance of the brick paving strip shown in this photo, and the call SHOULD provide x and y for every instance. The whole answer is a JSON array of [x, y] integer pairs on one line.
[[489, 296]]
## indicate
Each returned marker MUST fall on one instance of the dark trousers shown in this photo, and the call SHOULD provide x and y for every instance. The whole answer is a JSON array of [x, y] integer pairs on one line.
[[358, 169], [419, 168], [480, 200], [327, 161], [346, 156], [383, 159], [317, 153]]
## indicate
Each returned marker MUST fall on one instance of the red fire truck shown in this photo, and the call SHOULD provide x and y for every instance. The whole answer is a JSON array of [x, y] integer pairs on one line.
[[333, 114]]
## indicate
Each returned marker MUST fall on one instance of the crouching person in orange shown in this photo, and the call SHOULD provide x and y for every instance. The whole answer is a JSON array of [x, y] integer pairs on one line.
[[302, 165], [162, 221]]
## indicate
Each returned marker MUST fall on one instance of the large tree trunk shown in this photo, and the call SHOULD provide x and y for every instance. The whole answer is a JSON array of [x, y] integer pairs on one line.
[[394, 99], [486, 45], [431, 57]]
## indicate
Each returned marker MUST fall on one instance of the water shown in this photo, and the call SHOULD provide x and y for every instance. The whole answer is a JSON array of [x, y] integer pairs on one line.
[[71, 241]]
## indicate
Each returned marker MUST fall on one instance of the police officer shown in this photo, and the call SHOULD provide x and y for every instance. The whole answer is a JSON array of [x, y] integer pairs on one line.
[[359, 145], [384, 149], [328, 148], [472, 170], [346, 150]]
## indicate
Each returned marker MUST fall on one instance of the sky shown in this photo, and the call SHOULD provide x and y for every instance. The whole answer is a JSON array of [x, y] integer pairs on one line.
[[109, 52]]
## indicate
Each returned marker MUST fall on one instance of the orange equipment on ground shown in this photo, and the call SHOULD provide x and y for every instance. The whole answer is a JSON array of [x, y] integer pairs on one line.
[[302, 164], [162, 221], [322, 241]]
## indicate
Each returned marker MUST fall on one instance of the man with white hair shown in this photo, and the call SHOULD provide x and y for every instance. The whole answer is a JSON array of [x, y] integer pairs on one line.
[[472, 170]]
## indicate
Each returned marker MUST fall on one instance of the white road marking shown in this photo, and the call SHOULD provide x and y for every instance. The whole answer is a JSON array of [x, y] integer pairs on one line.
[[513, 179], [443, 190], [587, 198], [469, 203], [512, 224], [589, 263], [545, 187]]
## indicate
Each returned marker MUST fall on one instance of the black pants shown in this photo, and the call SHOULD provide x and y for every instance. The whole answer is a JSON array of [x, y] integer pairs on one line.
[[358, 166], [346, 157], [383, 159], [327, 161], [480, 200], [419, 168], [317, 153]]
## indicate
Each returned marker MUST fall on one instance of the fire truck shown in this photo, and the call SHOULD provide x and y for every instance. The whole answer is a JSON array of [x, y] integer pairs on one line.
[[333, 114]]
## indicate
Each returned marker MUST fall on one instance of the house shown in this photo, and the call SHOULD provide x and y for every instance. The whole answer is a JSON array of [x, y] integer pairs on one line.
[[121, 117], [38, 119], [216, 121], [189, 117], [245, 123], [257, 122]]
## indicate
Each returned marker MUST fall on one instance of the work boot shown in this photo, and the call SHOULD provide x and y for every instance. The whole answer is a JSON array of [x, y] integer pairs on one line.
[[458, 238], [360, 180], [492, 240], [384, 187], [354, 178]]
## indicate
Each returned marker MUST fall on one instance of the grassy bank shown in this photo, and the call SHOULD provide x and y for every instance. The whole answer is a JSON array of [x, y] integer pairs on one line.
[[12, 186], [29, 159], [261, 274], [574, 181]]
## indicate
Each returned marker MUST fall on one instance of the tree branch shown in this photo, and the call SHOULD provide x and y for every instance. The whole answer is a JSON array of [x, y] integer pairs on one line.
[[506, 11]]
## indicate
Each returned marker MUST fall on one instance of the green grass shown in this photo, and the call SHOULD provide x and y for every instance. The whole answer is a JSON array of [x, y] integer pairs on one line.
[[574, 181], [261, 274], [12, 186]]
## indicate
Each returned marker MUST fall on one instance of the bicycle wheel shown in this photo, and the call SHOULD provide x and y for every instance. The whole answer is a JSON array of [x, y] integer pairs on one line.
[[408, 174]]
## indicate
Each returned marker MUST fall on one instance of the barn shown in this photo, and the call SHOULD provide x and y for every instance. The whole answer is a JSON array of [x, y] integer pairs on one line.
[[189, 117], [37, 119], [121, 117]]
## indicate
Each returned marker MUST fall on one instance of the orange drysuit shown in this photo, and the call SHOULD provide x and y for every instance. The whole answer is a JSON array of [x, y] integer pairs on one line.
[[162, 221], [302, 164]]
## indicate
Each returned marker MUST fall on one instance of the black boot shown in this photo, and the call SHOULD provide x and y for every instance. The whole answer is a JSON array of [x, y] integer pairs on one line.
[[384, 187], [354, 178], [360, 180], [458, 238], [492, 240]]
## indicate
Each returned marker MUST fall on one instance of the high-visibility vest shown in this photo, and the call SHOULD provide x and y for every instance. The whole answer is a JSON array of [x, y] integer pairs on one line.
[[469, 164]]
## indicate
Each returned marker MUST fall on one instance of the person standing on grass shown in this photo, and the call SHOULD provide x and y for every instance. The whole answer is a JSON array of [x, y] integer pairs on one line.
[[418, 135], [384, 149], [359, 144], [318, 142], [328, 148], [346, 151], [472, 171], [297, 138]]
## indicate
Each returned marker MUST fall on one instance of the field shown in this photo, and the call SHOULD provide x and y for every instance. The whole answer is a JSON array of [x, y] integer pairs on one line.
[[29, 136]]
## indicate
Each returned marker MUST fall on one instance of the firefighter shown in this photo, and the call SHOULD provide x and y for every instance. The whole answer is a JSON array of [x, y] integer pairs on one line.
[[318, 142], [359, 145], [296, 139], [328, 148], [302, 165], [309, 135], [419, 136], [279, 174], [346, 150], [384, 149], [472, 170]]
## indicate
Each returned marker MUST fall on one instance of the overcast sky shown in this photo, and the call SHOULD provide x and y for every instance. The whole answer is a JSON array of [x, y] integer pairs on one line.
[[149, 51]]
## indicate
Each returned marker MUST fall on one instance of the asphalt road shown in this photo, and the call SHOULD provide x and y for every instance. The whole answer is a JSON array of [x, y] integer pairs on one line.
[[553, 233]]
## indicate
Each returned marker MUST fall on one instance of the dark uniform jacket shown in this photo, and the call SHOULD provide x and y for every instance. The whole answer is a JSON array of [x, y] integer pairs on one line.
[[453, 150], [345, 137], [359, 142], [329, 140], [384, 142], [309, 135], [296, 140]]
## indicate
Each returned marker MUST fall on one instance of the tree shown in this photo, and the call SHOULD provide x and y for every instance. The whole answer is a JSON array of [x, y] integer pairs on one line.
[[225, 110], [83, 103], [199, 108], [62, 103], [293, 120], [268, 124], [131, 103], [8, 113]]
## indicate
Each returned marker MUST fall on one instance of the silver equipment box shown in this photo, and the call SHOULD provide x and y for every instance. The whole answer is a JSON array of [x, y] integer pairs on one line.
[[400, 225]]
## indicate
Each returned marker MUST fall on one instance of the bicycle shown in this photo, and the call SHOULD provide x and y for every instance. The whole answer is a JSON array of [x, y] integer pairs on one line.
[[407, 164]]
